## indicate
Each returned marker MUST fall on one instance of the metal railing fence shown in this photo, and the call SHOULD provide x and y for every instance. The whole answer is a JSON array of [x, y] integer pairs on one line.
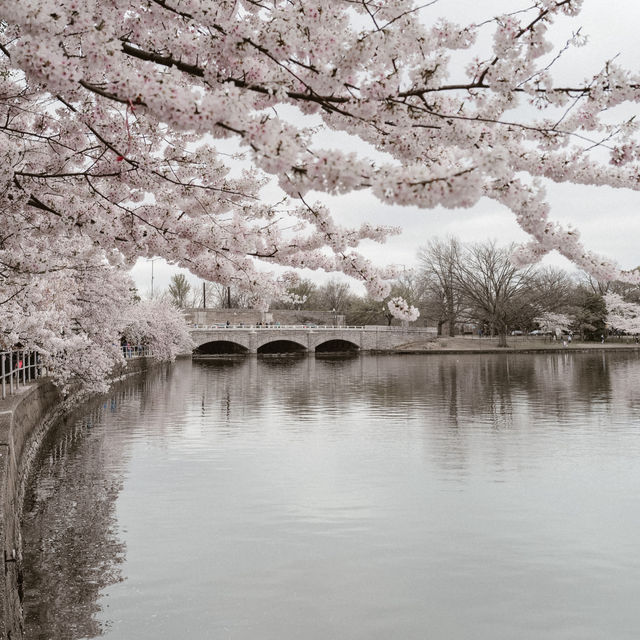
[[18, 367], [135, 351]]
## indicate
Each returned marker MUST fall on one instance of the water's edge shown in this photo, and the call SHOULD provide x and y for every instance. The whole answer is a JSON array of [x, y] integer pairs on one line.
[[25, 421], [416, 481]]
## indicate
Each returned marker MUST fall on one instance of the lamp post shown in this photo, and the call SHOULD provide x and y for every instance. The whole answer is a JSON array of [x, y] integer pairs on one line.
[[152, 261], [335, 317]]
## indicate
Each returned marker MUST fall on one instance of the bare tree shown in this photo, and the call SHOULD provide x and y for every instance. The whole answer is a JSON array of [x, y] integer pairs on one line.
[[220, 296], [438, 262], [179, 290], [599, 288], [334, 295], [204, 295], [411, 287], [365, 310], [492, 286], [554, 288]]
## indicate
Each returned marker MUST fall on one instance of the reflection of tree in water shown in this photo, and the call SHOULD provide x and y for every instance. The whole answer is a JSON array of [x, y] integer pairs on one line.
[[564, 383], [465, 393], [453, 399], [71, 544], [483, 387], [478, 385], [625, 386], [70, 538], [228, 381]]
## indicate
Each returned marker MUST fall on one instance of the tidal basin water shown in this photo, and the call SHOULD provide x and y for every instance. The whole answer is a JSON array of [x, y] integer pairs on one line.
[[377, 497]]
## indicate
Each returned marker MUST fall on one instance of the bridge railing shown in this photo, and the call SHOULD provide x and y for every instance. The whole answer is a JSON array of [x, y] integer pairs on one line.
[[17, 367], [286, 327], [307, 327]]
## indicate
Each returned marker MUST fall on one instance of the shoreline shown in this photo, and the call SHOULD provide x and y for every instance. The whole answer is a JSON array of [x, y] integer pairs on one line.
[[459, 345], [25, 420]]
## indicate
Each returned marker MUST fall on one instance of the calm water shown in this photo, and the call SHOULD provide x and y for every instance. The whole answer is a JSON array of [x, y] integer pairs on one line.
[[394, 497]]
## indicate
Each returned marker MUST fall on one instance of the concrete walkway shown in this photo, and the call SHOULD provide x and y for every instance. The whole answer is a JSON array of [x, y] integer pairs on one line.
[[515, 344]]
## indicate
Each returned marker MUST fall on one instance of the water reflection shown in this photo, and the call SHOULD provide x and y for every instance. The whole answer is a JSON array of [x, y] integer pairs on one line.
[[485, 388], [72, 550], [392, 496]]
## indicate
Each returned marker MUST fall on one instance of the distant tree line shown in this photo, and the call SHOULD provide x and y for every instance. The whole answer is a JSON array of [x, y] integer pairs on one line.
[[458, 288], [478, 285]]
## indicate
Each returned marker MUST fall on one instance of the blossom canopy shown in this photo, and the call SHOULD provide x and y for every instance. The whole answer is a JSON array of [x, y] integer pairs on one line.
[[112, 111]]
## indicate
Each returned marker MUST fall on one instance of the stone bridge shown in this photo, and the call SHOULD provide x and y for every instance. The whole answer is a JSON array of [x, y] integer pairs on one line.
[[303, 339]]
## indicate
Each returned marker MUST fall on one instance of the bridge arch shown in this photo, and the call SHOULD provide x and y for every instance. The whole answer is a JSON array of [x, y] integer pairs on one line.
[[220, 347], [336, 345], [309, 339], [281, 346]]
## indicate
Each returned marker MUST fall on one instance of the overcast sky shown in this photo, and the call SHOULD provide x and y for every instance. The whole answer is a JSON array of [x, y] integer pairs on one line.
[[607, 218]]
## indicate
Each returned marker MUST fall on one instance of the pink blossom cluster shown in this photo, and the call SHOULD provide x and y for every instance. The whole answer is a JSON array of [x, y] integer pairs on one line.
[[159, 326], [622, 315], [554, 322], [67, 302], [400, 309], [113, 114]]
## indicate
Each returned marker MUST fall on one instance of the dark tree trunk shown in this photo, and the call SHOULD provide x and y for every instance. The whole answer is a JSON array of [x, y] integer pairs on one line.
[[452, 316]]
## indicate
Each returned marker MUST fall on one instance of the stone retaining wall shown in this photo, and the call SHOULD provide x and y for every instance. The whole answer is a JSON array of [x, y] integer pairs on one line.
[[25, 419]]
